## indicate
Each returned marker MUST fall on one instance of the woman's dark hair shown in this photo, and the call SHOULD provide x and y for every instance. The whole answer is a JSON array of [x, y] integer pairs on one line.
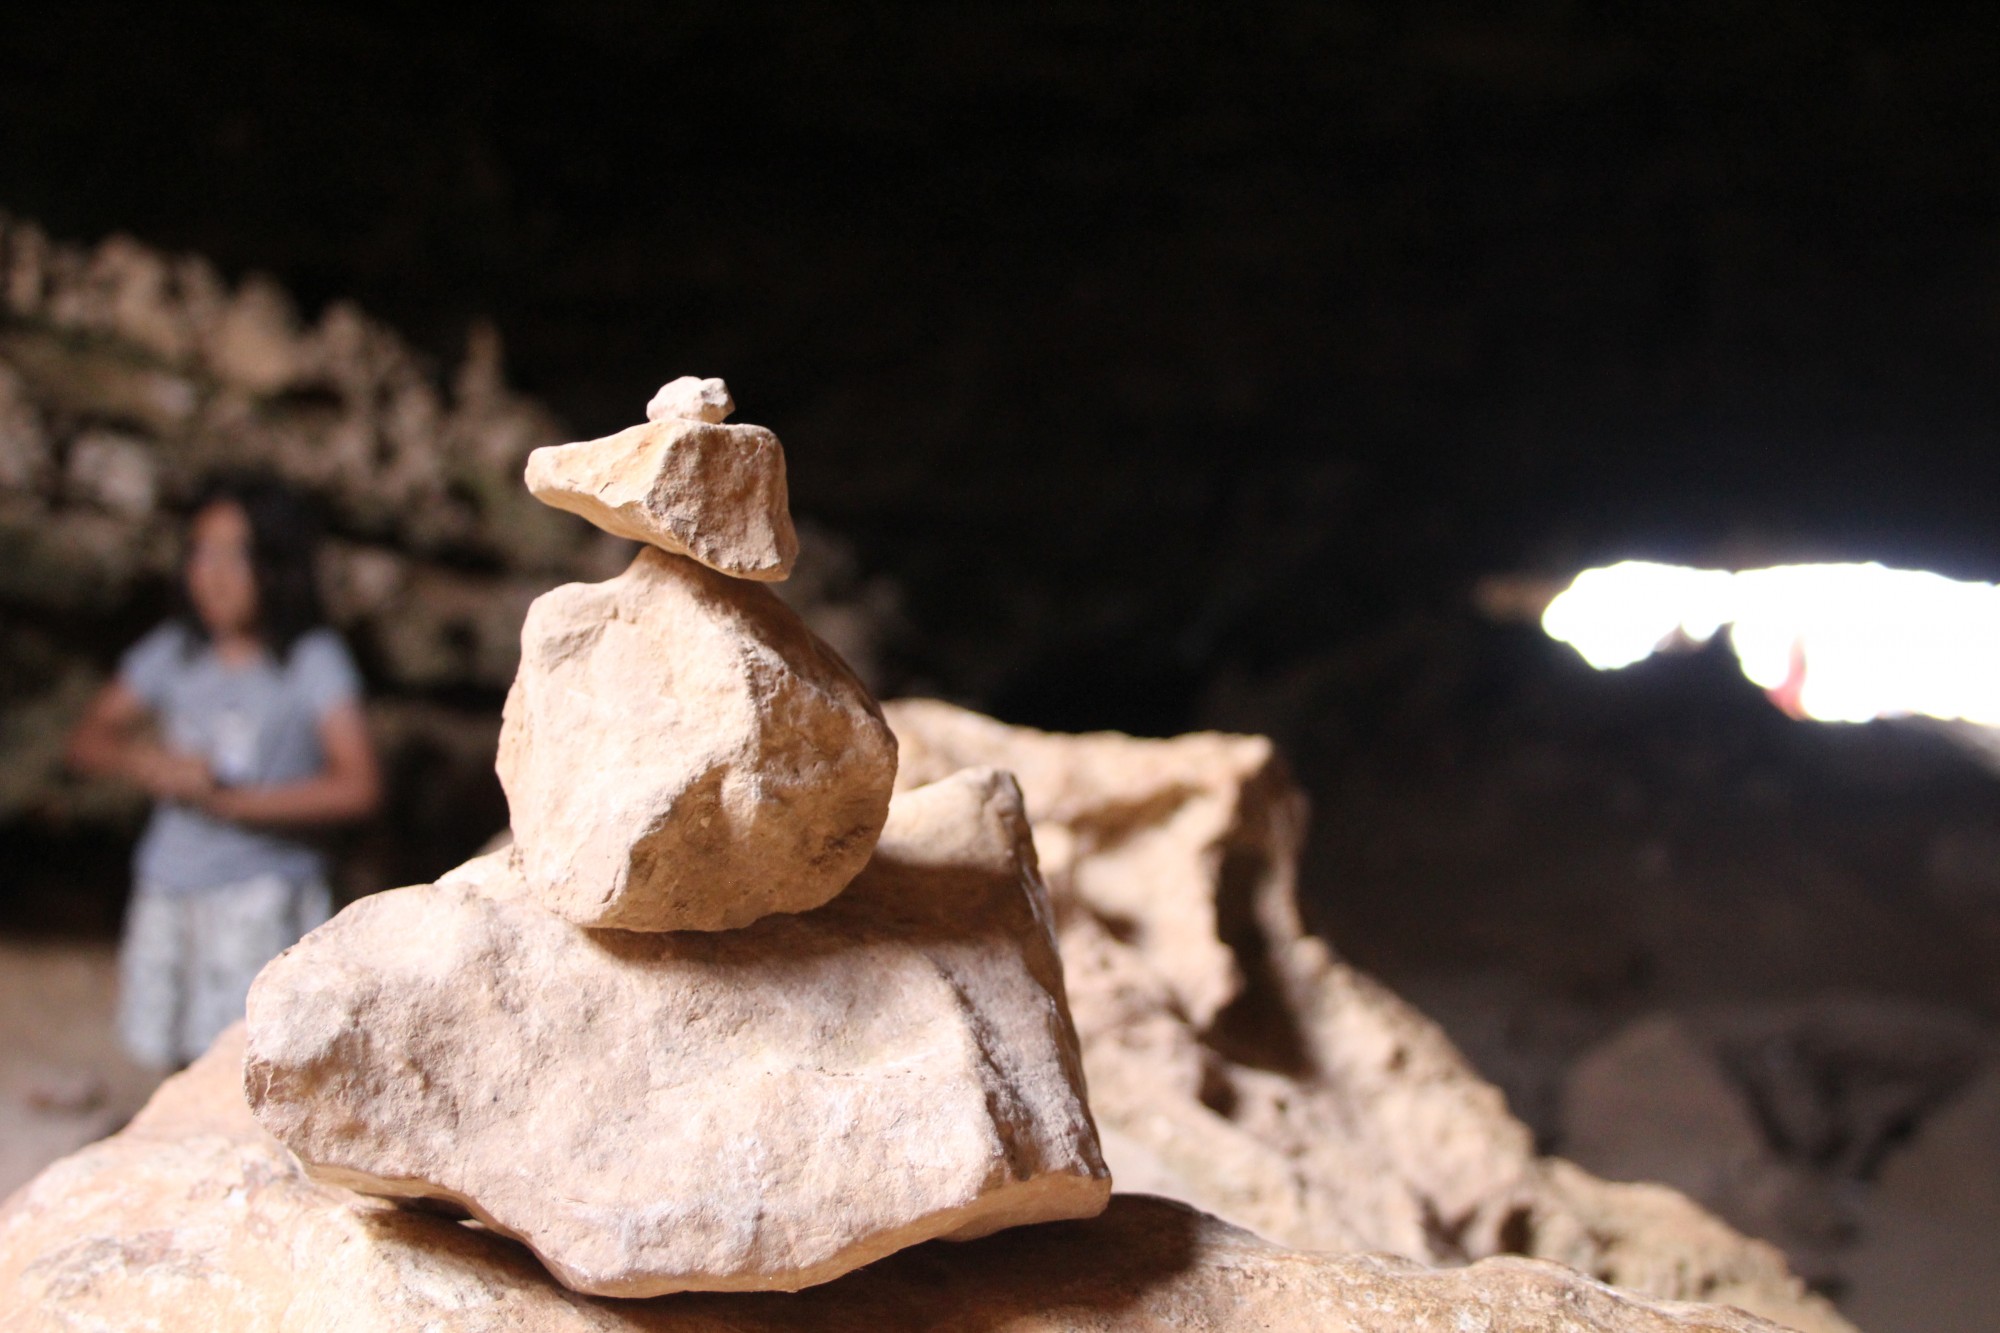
[[284, 544]]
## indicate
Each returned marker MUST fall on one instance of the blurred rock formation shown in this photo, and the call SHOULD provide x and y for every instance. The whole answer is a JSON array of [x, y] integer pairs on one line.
[[125, 374], [1860, 1133], [1235, 1062]]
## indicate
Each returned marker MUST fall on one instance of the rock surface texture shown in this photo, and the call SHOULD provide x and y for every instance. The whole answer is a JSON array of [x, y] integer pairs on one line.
[[680, 752], [195, 1219], [753, 1109], [683, 482], [1237, 1064]]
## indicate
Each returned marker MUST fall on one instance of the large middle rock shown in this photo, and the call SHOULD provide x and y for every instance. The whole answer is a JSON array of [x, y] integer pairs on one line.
[[756, 1109], [681, 753]]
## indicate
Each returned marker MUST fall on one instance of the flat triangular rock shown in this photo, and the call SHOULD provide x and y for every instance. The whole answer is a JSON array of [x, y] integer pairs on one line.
[[684, 482]]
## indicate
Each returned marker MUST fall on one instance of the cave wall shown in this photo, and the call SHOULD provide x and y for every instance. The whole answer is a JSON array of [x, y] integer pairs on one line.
[[125, 374]]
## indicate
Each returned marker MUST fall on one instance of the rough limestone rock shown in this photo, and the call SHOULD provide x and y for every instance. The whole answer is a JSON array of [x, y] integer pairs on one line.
[[681, 753], [195, 1219], [683, 482], [757, 1109], [693, 398], [1237, 1064]]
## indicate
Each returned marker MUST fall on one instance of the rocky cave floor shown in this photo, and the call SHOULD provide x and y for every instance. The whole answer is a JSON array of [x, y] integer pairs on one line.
[[1691, 941]]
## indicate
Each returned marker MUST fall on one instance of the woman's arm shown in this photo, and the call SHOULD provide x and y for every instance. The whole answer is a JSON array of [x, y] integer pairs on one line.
[[349, 787], [107, 742]]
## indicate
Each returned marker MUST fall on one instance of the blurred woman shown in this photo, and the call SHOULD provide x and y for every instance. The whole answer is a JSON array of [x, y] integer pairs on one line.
[[242, 718]]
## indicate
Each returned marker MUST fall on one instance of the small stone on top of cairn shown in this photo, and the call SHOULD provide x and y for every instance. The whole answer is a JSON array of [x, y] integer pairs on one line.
[[692, 398]]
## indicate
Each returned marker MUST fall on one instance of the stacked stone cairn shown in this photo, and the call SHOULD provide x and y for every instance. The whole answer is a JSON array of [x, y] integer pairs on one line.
[[724, 1016]]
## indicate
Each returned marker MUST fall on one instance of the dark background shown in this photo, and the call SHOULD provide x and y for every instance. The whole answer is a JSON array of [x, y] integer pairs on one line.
[[1186, 366], [1196, 336]]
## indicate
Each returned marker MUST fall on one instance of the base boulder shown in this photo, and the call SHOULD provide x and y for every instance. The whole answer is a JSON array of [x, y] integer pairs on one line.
[[763, 1108]]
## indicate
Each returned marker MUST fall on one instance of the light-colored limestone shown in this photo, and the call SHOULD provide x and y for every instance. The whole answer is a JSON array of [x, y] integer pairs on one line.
[[692, 398], [683, 482], [193, 1219], [763, 1108], [1237, 1064], [681, 753], [1136, 831]]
